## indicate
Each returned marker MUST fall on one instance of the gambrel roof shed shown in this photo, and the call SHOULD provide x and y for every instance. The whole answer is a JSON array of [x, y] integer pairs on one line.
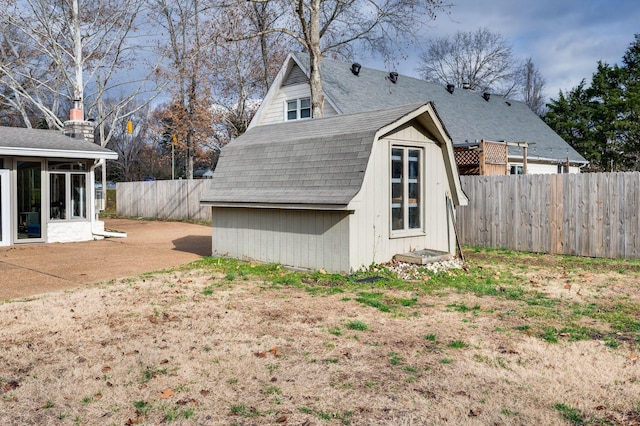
[[337, 193]]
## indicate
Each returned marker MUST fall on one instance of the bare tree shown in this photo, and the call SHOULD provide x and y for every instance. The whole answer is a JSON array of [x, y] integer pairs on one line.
[[479, 60], [59, 53], [532, 85], [245, 68], [129, 147], [188, 52], [323, 26]]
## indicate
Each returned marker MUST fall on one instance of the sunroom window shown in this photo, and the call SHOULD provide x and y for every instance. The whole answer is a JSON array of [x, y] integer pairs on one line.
[[298, 109], [406, 184], [68, 191]]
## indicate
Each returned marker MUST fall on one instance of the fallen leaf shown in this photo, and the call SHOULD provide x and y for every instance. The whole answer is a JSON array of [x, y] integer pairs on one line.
[[11, 386], [106, 369], [509, 350], [281, 419], [97, 396], [633, 357], [260, 354], [204, 392], [153, 319], [474, 412], [167, 393], [137, 420], [567, 286], [273, 351], [600, 408]]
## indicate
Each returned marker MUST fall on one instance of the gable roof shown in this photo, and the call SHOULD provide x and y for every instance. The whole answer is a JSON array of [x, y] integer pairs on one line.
[[319, 163], [466, 114], [18, 141]]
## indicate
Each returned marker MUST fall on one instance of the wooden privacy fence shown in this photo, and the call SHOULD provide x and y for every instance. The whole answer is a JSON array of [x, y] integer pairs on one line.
[[590, 214], [163, 199]]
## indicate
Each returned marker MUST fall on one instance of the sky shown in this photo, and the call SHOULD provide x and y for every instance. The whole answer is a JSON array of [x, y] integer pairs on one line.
[[564, 38]]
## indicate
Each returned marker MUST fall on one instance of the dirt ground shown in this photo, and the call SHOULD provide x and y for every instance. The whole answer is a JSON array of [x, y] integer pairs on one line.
[[28, 270]]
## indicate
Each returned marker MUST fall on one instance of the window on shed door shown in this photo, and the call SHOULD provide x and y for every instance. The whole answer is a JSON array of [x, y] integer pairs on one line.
[[298, 109], [406, 184]]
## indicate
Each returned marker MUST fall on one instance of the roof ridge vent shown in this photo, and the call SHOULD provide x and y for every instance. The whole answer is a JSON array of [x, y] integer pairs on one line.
[[393, 77], [355, 68], [450, 88], [486, 96]]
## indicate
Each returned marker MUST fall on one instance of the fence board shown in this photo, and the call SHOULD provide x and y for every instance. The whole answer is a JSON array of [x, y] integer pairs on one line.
[[591, 214], [163, 199]]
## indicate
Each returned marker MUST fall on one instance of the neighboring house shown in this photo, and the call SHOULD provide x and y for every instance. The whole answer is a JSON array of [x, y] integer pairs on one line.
[[203, 174], [469, 117], [338, 193], [47, 184]]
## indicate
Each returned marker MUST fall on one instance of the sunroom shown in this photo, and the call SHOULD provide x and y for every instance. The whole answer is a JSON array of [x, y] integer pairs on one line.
[[47, 187]]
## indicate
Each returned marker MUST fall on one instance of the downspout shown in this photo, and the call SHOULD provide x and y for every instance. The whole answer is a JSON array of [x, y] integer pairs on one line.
[[94, 214]]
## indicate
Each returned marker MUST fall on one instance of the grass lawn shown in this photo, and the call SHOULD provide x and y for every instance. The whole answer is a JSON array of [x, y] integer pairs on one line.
[[518, 339]]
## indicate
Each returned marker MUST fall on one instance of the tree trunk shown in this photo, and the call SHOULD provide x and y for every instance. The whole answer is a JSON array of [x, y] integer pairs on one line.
[[78, 88], [315, 58]]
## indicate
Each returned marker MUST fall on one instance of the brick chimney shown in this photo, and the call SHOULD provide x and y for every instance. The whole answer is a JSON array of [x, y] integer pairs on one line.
[[77, 127]]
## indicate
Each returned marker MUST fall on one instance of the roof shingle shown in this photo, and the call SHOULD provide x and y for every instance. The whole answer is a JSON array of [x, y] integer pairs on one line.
[[321, 161], [467, 116]]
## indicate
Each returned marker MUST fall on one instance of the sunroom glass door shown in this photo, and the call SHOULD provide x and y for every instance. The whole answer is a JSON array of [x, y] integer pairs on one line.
[[5, 211]]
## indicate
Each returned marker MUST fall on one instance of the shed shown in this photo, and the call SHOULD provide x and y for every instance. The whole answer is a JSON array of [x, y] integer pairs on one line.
[[338, 193]]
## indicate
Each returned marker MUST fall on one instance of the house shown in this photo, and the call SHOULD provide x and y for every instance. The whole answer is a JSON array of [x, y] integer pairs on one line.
[[338, 193], [203, 174], [47, 184], [469, 117]]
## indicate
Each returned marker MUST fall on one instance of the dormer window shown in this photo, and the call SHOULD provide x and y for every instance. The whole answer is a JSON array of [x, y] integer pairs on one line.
[[298, 109]]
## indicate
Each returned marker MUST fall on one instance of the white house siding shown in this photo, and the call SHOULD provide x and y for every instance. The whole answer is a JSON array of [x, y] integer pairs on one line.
[[302, 238], [67, 232], [543, 168], [371, 230], [276, 110]]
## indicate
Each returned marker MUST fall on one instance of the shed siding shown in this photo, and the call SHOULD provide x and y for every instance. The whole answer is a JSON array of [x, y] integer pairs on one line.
[[301, 238], [275, 111], [371, 240]]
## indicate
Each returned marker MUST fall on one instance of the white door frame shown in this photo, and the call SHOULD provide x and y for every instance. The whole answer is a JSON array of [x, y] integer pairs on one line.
[[5, 210]]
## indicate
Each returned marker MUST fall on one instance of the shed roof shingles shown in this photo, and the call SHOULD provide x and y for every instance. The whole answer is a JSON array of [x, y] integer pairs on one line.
[[306, 162]]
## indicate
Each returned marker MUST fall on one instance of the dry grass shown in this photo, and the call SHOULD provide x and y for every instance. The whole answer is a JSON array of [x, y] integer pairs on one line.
[[217, 344]]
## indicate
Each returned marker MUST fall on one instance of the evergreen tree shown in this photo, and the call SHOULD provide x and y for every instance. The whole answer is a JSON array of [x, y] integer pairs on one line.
[[601, 121]]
